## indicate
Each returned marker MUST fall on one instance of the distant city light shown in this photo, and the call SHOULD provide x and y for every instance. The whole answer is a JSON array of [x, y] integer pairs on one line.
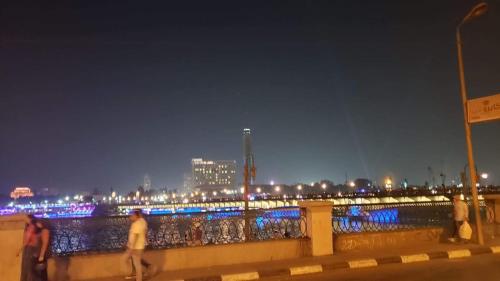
[[259, 190], [484, 176], [352, 184], [299, 187], [277, 188], [388, 182], [214, 193], [66, 198], [323, 185], [242, 190], [313, 183], [271, 182]]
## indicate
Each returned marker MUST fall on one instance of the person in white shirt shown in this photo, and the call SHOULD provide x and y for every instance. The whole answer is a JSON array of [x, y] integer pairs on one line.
[[460, 214], [136, 243]]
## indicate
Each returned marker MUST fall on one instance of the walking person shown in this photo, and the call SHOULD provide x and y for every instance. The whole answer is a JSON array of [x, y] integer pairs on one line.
[[460, 215], [28, 249], [151, 269], [136, 244]]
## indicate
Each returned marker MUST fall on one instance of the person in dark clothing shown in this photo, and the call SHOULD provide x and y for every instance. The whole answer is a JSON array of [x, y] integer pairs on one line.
[[42, 251], [28, 249]]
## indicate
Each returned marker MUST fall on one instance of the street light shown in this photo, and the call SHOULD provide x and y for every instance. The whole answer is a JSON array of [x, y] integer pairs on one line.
[[484, 176], [477, 11]]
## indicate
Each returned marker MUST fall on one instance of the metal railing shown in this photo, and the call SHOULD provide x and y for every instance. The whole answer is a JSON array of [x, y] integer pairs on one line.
[[393, 216], [109, 234]]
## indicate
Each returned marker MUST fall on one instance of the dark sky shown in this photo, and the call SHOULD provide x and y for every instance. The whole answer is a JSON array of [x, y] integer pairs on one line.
[[99, 93]]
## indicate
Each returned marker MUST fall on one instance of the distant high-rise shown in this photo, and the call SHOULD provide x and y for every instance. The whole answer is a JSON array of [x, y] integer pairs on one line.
[[188, 182], [248, 157], [213, 174], [147, 182]]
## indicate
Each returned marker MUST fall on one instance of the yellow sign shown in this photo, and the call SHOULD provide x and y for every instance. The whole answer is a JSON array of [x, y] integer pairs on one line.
[[483, 109]]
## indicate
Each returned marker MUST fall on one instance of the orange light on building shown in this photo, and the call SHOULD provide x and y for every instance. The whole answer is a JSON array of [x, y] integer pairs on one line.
[[19, 192]]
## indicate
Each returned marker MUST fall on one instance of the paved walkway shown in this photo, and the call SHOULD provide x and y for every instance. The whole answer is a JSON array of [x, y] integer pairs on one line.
[[281, 265]]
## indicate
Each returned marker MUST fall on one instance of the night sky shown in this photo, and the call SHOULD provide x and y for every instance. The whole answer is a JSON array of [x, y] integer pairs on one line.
[[99, 93]]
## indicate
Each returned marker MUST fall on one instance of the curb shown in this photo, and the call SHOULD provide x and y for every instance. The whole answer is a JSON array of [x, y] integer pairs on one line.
[[351, 264]]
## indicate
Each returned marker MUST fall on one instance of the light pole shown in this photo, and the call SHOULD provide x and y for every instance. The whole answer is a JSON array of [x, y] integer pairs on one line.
[[477, 11]]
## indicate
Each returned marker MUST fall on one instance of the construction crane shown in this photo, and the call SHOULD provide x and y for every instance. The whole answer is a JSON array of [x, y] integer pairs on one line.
[[432, 178], [443, 179]]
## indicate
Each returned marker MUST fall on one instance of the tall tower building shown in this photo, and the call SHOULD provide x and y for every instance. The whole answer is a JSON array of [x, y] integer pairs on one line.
[[248, 157]]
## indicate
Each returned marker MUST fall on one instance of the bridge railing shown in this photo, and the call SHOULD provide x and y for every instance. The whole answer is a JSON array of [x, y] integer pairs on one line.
[[393, 216], [72, 236]]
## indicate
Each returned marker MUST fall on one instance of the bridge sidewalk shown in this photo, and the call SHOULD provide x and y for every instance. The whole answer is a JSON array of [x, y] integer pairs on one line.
[[305, 265]]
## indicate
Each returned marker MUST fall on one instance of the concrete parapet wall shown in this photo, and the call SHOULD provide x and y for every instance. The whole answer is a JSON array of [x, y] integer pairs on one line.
[[107, 265], [11, 240], [389, 239]]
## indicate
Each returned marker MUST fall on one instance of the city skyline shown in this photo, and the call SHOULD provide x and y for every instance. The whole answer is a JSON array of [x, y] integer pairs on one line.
[[99, 94]]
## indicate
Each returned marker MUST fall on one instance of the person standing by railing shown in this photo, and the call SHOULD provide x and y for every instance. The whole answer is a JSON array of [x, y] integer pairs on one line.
[[42, 252], [29, 248]]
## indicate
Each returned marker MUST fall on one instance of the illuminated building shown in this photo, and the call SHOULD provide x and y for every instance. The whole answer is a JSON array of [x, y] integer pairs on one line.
[[21, 192], [213, 174]]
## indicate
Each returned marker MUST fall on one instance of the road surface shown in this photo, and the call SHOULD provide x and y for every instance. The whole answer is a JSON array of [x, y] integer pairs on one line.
[[482, 267]]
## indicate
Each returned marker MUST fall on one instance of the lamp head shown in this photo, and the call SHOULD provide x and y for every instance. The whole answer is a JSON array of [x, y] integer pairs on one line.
[[478, 10]]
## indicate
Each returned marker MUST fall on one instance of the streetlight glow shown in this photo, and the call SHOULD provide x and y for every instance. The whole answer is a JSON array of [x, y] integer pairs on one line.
[[277, 188], [299, 187], [484, 176], [323, 185]]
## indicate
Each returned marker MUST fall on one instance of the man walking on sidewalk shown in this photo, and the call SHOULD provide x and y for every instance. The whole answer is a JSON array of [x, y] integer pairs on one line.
[[136, 243]]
